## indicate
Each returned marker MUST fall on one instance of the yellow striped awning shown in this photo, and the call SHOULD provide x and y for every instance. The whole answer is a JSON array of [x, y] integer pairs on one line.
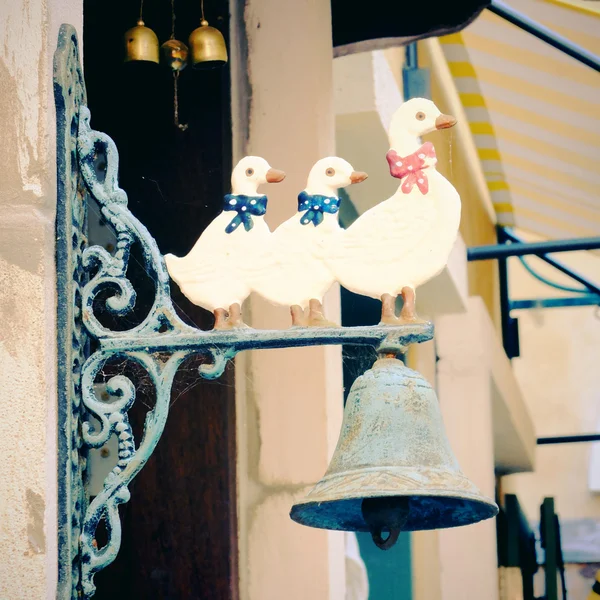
[[535, 116]]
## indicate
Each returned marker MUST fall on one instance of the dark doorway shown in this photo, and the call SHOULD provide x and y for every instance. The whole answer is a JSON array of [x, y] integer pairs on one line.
[[179, 529]]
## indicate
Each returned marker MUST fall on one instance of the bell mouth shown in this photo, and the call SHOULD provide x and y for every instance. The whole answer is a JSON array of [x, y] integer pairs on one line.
[[419, 512], [414, 499], [207, 65], [141, 64]]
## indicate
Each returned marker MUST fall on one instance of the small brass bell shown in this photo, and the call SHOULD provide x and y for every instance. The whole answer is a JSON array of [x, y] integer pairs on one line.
[[393, 469], [141, 44], [208, 47], [175, 54]]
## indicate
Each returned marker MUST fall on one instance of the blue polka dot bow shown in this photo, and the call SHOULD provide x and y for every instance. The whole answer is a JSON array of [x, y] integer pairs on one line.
[[246, 207], [315, 206]]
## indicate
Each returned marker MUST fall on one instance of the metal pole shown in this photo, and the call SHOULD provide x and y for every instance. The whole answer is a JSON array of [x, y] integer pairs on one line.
[[510, 326], [569, 439], [543, 33], [415, 81], [535, 248], [412, 61], [549, 538]]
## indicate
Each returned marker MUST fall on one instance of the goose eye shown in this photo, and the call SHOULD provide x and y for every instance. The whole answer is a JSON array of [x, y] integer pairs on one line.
[[420, 116], [330, 172], [249, 172]]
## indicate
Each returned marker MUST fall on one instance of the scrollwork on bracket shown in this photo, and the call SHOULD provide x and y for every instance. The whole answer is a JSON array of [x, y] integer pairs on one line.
[[113, 418], [111, 268]]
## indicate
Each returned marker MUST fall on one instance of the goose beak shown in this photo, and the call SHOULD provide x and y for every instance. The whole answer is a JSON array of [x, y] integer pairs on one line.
[[358, 176], [275, 176], [445, 122]]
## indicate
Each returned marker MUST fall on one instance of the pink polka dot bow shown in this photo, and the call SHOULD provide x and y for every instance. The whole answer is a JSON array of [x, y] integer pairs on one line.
[[410, 168]]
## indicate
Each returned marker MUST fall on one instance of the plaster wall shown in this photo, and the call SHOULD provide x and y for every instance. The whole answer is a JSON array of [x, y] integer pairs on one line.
[[468, 554], [28, 554], [489, 429], [289, 401], [461, 563]]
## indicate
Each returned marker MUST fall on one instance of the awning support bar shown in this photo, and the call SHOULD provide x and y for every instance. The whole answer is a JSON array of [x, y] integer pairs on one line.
[[543, 33], [531, 248]]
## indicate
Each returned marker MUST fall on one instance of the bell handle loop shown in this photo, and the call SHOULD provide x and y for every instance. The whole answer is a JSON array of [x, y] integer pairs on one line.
[[390, 541]]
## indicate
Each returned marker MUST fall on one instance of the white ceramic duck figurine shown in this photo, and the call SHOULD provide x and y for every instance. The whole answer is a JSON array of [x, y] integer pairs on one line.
[[294, 271], [404, 241], [214, 273]]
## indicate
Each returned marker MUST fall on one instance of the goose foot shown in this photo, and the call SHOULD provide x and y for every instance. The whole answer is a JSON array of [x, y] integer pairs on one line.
[[221, 321], [232, 319], [409, 312], [315, 317], [235, 317], [298, 318], [408, 315]]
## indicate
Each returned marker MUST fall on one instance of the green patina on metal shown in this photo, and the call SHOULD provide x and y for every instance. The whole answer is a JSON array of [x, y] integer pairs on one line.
[[71, 226], [89, 276]]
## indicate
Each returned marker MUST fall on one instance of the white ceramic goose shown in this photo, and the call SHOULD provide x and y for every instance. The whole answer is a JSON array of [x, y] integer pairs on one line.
[[294, 272], [404, 241], [214, 273]]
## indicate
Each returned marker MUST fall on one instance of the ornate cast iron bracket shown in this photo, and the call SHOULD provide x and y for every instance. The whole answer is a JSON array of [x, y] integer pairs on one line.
[[90, 277]]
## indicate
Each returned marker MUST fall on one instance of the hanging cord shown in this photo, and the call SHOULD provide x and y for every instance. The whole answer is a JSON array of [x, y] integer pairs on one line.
[[172, 19], [141, 9], [175, 77], [202, 10], [176, 101]]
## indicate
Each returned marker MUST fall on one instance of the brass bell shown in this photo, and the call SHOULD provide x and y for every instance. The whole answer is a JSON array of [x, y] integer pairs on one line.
[[208, 47], [175, 54], [141, 44], [393, 469]]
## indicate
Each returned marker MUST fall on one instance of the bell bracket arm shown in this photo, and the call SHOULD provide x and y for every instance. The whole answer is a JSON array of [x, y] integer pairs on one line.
[[386, 339]]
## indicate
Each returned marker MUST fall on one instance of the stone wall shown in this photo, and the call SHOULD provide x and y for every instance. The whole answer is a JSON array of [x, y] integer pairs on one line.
[[29, 31]]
